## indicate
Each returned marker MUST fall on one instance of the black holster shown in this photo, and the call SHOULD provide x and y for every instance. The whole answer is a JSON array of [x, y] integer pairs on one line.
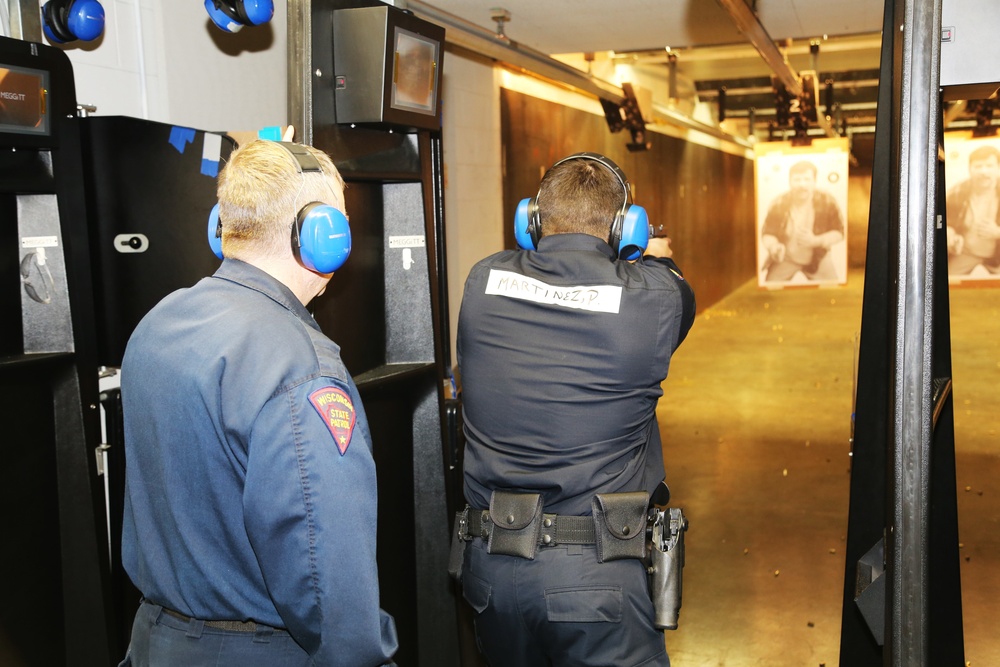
[[459, 533], [666, 563]]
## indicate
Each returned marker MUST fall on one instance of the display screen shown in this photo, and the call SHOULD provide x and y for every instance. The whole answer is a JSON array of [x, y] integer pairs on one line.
[[414, 76], [23, 100]]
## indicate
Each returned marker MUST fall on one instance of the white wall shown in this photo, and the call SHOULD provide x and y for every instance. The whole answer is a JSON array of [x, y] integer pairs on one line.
[[473, 187], [188, 72]]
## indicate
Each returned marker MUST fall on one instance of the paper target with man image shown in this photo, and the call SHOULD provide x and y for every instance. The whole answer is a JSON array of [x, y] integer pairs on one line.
[[972, 182], [801, 203]]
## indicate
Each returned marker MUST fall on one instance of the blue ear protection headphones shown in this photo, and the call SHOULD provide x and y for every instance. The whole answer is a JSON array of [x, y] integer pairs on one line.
[[321, 235], [232, 15], [69, 20], [629, 231]]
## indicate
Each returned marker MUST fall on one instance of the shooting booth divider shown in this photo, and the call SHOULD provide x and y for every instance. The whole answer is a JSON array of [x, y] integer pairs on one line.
[[98, 233], [55, 608], [94, 235], [149, 189], [902, 601], [364, 86]]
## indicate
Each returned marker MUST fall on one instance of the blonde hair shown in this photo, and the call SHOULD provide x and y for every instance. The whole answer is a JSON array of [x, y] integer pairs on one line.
[[260, 193]]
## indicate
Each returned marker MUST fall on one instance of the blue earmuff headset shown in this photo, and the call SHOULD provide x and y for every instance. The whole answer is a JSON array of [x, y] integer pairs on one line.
[[69, 20], [232, 15], [321, 234], [629, 230]]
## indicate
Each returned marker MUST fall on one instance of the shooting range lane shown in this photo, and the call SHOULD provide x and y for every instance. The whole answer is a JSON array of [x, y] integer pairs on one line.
[[756, 423]]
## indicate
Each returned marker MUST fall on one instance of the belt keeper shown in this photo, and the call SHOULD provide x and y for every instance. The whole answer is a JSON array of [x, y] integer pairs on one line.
[[484, 525], [549, 530]]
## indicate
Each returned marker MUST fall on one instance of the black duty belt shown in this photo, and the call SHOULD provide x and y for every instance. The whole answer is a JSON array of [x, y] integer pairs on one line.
[[556, 528], [231, 626]]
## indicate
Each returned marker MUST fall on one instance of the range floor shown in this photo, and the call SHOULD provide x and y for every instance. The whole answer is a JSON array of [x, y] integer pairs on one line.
[[756, 422]]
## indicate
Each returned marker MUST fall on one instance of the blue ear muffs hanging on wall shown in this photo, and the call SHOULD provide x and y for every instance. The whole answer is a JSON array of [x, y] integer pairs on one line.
[[69, 20], [321, 234], [232, 15], [629, 233]]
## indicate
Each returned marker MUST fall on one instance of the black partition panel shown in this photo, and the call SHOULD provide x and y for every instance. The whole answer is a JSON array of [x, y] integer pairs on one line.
[[387, 308], [380, 308], [150, 189], [352, 310], [32, 546], [10, 282], [54, 601], [902, 590]]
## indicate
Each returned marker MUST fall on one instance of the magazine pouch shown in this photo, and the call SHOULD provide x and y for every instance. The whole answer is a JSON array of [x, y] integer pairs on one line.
[[620, 525], [516, 520]]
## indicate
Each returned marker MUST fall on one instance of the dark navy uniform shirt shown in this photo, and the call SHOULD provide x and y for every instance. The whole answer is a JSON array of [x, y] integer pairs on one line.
[[562, 351], [250, 484]]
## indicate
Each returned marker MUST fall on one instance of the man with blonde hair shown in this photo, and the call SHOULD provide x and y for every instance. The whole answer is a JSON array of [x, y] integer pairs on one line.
[[250, 503]]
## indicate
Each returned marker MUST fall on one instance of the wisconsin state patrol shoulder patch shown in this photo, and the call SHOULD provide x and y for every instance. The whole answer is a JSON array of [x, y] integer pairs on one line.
[[337, 411]]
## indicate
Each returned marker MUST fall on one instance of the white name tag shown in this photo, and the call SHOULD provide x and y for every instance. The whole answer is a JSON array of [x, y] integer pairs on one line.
[[595, 298]]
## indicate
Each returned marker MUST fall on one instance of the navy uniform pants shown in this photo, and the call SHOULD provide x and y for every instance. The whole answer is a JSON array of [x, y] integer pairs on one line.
[[162, 640], [561, 609]]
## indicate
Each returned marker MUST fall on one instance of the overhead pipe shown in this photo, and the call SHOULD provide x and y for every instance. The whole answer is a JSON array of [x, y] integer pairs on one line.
[[672, 76], [479, 40], [954, 110], [25, 20], [684, 121], [476, 39], [748, 23]]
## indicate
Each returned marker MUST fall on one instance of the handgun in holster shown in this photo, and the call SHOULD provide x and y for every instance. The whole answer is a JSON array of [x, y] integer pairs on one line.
[[666, 556]]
